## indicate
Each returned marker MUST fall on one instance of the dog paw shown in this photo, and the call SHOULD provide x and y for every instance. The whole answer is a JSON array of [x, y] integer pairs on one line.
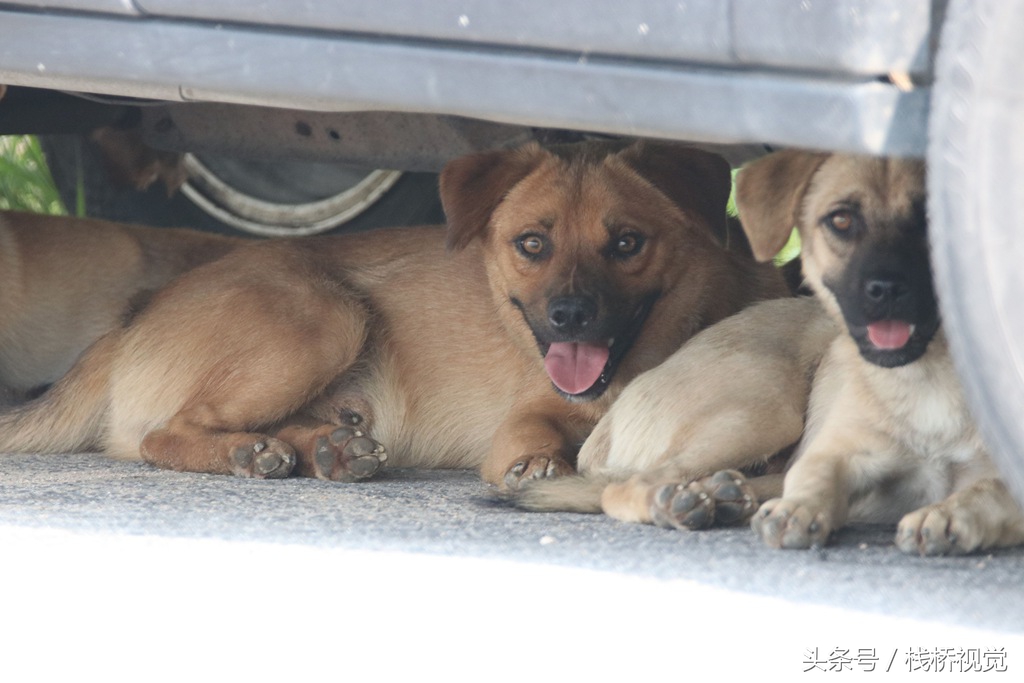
[[723, 499], [783, 523], [347, 455], [536, 467], [938, 530], [263, 459]]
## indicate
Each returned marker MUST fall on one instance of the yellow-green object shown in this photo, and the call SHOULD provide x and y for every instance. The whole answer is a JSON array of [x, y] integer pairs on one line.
[[25, 180]]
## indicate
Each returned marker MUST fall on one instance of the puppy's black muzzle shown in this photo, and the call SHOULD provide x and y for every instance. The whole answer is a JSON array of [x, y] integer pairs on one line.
[[889, 280]]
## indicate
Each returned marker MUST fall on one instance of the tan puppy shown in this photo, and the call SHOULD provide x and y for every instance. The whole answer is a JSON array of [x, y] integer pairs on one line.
[[65, 282], [889, 437], [566, 274], [732, 398], [887, 430]]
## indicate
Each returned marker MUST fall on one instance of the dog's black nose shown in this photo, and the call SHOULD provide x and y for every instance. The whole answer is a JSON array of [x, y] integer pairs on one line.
[[882, 291], [572, 314]]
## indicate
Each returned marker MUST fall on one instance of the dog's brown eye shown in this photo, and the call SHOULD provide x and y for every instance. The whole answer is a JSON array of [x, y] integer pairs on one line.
[[532, 245], [840, 221], [628, 244]]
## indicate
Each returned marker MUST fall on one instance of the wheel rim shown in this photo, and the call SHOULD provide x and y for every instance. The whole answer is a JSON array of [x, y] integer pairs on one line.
[[231, 202]]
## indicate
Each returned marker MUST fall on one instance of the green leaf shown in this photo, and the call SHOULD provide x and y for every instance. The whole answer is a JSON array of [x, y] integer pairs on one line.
[[25, 180]]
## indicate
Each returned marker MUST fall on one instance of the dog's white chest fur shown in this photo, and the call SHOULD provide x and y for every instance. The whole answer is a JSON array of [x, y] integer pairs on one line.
[[935, 448], [927, 411]]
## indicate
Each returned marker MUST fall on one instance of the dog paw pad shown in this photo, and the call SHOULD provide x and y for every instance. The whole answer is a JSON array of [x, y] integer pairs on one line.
[[263, 459], [724, 498], [347, 455], [682, 506]]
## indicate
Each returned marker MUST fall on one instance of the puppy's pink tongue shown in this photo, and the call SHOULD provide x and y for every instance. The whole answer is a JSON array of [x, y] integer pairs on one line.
[[890, 334], [574, 368]]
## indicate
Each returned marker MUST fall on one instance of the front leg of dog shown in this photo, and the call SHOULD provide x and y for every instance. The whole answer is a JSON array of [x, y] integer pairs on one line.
[[983, 515], [815, 502], [525, 448]]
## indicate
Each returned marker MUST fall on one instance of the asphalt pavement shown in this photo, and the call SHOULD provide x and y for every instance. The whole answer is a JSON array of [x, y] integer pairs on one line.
[[136, 573]]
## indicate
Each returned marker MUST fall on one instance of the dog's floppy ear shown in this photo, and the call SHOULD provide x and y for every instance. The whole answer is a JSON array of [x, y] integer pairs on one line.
[[694, 179], [769, 192], [472, 186]]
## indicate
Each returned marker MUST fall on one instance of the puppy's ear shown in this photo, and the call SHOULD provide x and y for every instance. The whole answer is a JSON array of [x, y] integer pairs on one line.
[[769, 192], [695, 180], [472, 186]]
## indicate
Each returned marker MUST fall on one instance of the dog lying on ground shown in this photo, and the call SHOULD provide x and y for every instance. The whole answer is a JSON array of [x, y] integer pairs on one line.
[[65, 282], [567, 272], [733, 397], [888, 436]]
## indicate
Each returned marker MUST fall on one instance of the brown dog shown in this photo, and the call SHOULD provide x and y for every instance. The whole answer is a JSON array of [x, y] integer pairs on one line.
[[65, 282], [567, 273], [887, 429]]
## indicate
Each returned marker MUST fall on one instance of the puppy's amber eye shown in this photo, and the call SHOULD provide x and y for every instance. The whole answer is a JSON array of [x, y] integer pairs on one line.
[[628, 244], [840, 221], [532, 246]]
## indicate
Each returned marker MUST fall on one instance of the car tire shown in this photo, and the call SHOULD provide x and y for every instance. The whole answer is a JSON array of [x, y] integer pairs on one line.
[[411, 199], [976, 200]]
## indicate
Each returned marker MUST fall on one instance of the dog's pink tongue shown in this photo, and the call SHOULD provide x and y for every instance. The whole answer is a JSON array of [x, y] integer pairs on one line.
[[574, 368], [889, 334]]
